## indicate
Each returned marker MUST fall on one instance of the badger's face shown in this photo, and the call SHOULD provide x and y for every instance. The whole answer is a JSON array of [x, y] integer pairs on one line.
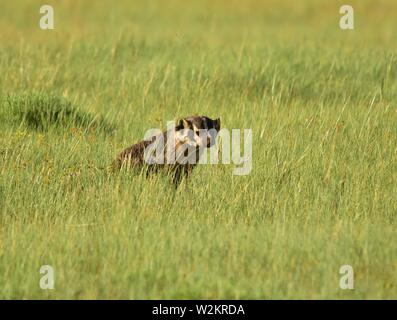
[[198, 131]]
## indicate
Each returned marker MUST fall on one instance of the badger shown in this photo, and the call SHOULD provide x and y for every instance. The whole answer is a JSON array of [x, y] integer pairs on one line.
[[175, 151]]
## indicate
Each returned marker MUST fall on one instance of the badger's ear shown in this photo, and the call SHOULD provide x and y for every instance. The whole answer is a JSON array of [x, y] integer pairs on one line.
[[186, 123], [218, 124], [179, 125], [183, 124]]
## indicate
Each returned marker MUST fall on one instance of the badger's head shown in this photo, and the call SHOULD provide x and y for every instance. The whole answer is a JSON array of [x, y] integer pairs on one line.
[[198, 131]]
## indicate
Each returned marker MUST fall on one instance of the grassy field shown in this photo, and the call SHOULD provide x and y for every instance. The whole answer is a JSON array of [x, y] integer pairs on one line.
[[322, 106]]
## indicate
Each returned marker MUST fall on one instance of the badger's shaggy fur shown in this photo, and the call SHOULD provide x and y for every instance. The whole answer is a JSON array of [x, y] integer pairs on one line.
[[194, 132]]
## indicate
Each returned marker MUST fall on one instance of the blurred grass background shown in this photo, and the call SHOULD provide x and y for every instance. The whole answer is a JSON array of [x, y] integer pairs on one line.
[[322, 106]]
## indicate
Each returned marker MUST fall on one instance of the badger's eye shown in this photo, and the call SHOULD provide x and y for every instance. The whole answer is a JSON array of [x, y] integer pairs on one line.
[[197, 132]]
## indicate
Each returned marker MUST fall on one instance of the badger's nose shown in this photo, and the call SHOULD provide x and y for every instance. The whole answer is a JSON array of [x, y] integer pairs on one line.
[[208, 142]]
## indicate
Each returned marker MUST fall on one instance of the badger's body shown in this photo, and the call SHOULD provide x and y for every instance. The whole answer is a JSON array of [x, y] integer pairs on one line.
[[177, 150]]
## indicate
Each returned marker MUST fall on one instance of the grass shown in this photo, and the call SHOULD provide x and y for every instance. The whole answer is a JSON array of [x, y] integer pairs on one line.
[[43, 112], [322, 106]]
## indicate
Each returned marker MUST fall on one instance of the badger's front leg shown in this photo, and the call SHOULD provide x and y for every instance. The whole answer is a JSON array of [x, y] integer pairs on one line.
[[177, 176], [180, 172]]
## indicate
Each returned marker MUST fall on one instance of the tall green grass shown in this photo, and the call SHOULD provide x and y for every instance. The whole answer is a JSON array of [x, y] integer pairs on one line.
[[322, 106], [42, 112]]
